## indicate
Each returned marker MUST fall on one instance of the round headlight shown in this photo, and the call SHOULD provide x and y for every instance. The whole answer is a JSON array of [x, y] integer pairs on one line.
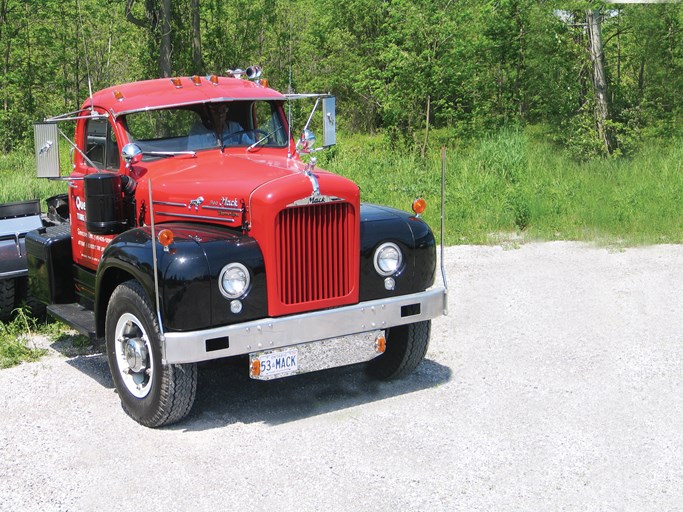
[[388, 259], [234, 280]]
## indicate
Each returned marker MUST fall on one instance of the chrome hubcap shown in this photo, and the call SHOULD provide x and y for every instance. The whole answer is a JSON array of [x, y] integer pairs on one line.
[[133, 355]]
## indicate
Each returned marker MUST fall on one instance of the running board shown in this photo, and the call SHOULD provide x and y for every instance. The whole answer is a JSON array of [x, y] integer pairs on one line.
[[76, 316]]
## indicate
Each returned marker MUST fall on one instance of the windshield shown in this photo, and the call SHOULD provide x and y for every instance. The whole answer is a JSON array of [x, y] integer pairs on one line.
[[207, 126]]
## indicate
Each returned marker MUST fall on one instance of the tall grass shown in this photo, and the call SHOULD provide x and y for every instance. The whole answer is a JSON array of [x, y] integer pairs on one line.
[[513, 183], [18, 181], [14, 340], [510, 183]]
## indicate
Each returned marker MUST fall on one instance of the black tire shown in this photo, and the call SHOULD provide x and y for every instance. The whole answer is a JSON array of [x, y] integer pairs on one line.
[[406, 348], [152, 393], [7, 296]]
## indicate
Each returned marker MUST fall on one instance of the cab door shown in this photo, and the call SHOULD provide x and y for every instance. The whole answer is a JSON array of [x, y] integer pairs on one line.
[[97, 139]]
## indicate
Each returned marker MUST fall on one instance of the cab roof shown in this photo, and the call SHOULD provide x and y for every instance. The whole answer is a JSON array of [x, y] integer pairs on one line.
[[173, 92]]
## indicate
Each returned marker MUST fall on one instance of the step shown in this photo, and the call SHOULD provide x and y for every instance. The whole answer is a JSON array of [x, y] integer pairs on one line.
[[76, 316]]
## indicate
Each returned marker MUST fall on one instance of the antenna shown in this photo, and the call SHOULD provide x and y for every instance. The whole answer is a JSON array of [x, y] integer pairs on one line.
[[289, 87], [85, 49]]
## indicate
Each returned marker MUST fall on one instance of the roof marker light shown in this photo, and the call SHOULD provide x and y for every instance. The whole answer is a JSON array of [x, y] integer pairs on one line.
[[176, 82], [213, 79], [118, 95], [196, 79]]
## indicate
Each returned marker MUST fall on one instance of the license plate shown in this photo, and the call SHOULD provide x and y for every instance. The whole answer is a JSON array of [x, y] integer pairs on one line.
[[274, 364], [313, 356]]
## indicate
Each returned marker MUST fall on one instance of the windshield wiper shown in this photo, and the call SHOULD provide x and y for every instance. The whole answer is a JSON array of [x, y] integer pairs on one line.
[[265, 137], [192, 154]]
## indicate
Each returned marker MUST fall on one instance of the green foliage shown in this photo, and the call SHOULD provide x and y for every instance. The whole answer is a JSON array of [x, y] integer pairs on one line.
[[17, 174], [14, 336], [519, 181], [466, 68]]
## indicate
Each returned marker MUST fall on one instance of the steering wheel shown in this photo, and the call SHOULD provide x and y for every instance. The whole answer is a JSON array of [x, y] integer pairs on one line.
[[237, 138]]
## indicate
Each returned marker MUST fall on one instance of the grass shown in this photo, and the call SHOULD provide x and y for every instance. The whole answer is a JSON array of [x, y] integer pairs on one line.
[[509, 183], [513, 183], [17, 175], [14, 339]]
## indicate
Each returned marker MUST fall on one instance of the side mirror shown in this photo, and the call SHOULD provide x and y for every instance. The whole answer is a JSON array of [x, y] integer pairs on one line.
[[46, 138], [329, 121], [131, 154], [306, 142]]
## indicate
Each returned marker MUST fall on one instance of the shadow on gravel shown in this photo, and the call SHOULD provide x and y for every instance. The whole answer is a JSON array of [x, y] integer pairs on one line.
[[226, 394], [94, 366]]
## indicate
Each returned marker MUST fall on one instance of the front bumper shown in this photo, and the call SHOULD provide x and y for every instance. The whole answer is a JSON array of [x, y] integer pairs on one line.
[[270, 333]]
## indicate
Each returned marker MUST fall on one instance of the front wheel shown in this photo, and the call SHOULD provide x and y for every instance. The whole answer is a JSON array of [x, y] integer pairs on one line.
[[152, 393], [406, 348]]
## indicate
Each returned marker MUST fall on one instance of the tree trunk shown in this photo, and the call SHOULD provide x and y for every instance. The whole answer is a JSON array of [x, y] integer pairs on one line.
[[602, 114], [197, 60], [424, 146], [165, 47]]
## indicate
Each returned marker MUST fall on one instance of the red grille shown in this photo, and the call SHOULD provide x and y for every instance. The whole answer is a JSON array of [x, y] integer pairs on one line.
[[313, 249]]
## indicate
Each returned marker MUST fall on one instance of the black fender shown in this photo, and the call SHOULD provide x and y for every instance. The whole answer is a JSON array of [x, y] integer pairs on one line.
[[413, 236], [188, 274]]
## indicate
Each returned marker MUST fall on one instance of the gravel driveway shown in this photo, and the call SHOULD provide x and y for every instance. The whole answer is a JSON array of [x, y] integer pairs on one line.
[[556, 383]]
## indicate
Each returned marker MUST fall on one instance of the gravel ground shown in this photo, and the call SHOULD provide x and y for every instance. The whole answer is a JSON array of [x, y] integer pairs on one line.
[[556, 383]]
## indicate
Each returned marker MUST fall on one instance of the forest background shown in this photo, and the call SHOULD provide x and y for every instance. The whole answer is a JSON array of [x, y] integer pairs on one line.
[[560, 121]]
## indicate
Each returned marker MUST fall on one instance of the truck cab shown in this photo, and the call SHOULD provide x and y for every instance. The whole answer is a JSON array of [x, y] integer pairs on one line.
[[197, 232]]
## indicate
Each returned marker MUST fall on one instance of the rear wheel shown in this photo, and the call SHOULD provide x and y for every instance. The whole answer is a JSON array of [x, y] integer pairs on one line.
[[7, 294], [152, 393], [406, 348]]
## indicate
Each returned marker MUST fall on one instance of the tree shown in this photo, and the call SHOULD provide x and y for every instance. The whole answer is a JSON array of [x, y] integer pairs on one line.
[[599, 80]]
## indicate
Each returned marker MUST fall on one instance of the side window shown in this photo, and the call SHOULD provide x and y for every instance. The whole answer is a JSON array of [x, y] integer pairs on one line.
[[100, 144], [267, 121]]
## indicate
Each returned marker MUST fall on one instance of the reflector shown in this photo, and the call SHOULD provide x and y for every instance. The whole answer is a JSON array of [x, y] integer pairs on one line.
[[255, 368], [380, 344]]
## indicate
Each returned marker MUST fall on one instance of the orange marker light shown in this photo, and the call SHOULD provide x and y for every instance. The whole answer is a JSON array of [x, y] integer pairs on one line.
[[176, 82], [419, 205], [213, 79], [165, 237], [118, 95], [263, 82], [197, 80], [255, 368], [380, 344]]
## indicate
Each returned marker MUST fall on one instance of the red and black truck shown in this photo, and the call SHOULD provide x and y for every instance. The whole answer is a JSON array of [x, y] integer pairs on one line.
[[195, 231]]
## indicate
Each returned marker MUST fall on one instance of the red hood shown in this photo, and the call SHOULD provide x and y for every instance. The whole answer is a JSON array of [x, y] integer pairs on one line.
[[216, 186]]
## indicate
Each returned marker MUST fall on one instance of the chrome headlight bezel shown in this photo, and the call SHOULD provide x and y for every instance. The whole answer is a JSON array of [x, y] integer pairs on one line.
[[234, 270], [385, 254]]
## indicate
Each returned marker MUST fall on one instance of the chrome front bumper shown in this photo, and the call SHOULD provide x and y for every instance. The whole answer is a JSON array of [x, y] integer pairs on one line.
[[270, 333]]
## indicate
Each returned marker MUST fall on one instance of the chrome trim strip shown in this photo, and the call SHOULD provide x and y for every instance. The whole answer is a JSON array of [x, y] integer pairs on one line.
[[222, 209], [269, 333], [167, 203], [14, 273], [202, 217]]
